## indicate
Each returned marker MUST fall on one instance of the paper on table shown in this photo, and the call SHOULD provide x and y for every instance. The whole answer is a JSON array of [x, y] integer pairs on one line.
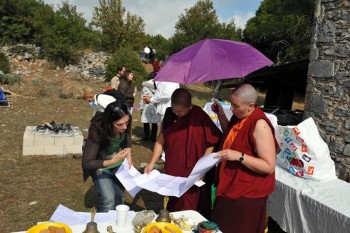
[[70, 217], [162, 183], [67, 216]]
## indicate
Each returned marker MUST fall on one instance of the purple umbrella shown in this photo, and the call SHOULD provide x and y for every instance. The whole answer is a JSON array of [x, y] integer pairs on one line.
[[212, 59]]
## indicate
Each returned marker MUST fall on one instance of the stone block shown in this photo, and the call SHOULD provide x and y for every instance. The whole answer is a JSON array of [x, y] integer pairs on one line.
[[30, 129], [36, 143], [53, 150], [321, 69], [44, 140], [76, 149], [64, 140], [78, 140], [33, 150], [28, 139]]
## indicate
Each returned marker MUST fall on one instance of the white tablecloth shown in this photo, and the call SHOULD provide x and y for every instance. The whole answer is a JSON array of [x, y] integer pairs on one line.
[[102, 226], [300, 205]]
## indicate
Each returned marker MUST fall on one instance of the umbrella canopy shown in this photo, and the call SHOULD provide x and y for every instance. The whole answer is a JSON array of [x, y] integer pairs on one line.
[[212, 59]]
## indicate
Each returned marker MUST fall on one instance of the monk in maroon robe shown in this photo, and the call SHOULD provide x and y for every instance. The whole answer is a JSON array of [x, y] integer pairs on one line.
[[187, 134]]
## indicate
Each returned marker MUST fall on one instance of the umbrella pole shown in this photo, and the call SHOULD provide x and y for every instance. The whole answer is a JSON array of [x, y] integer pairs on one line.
[[217, 88]]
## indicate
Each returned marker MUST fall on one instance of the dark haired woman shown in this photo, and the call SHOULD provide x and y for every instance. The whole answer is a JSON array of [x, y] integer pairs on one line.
[[126, 87], [105, 151]]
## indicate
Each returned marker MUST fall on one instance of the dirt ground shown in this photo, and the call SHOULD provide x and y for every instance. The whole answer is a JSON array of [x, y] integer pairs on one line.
[[33, 186]]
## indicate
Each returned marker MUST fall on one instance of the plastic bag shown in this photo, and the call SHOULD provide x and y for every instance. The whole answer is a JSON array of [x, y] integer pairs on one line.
[[143, 218], [303, 152]]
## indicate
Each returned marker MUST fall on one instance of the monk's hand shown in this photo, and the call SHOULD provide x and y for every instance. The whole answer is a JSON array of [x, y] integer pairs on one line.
[[228, 154], [217, 107]]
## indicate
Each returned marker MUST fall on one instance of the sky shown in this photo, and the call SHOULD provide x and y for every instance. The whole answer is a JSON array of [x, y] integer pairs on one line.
[[160, 16]]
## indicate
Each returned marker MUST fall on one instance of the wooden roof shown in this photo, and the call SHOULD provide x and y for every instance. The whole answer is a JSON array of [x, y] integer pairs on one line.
[[293, 75]]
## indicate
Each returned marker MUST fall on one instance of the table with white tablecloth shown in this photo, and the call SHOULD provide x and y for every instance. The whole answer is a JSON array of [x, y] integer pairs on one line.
[[102, 226], [300, 205]]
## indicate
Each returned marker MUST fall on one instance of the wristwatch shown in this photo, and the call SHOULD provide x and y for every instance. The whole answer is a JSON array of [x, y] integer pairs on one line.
[[241, 158]]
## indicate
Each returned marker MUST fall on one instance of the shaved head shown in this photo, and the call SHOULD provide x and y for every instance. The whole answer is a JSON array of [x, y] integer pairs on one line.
[[246, 93], [181, 97]]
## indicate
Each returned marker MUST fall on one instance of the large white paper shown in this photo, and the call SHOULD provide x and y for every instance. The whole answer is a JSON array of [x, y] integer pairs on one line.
[[164, 184], [127, 177], [70, 217]]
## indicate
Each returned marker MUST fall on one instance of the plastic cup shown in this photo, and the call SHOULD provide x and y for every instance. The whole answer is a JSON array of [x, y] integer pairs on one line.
[[122, 215]]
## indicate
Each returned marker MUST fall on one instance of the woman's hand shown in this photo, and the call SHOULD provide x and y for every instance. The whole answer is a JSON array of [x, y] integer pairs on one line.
[[120, 155], [228, 154]]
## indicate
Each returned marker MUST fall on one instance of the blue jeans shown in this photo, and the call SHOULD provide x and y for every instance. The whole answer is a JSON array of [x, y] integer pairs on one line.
[[110, 190]]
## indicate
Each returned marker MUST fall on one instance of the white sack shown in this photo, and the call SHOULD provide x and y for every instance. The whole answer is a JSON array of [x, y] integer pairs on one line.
[[303, 152]]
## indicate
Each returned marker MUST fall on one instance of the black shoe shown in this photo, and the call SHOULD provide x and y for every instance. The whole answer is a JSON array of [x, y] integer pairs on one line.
[[145, 139], [153, 139]]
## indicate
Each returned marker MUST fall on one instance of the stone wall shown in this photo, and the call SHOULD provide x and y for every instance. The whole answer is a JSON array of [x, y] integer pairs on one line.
[[327, 98]]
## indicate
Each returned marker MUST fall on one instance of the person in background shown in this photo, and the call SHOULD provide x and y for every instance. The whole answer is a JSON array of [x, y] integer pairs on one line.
[[146, 50], [246, 173], [116, 79], [104, 152], [149, 115], [156, 66], [3, 99], [151, 55], [187, 134], [98, 101], [162, 97], [127, 89]]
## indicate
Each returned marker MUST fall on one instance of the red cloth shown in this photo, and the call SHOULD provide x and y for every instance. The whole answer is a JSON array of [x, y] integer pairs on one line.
[[242, 215], [236, 180], [156, 66], [185, 141]]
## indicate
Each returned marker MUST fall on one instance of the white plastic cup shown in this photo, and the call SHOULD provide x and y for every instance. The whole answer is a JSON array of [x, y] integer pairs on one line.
[[122, 214]]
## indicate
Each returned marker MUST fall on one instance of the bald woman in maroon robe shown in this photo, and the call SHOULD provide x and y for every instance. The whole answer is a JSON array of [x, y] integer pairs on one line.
[[247, 170], [187, 134]]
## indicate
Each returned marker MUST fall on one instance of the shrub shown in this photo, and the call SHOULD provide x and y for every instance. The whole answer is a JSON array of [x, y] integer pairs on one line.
[[22, 49], [9, 79], [4, 63], [130, 59]]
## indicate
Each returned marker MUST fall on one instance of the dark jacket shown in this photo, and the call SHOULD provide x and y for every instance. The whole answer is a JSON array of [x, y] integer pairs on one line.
[[94, 151], [126, 88]]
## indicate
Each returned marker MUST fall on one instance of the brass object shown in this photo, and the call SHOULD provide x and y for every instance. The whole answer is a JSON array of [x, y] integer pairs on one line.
[[110, 229], [165, 202], [175, 220], [163, 215], [93, 213], [137, 228], [91, 227]]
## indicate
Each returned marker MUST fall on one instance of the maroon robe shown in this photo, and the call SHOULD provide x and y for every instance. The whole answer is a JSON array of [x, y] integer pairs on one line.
[[185, 141]]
